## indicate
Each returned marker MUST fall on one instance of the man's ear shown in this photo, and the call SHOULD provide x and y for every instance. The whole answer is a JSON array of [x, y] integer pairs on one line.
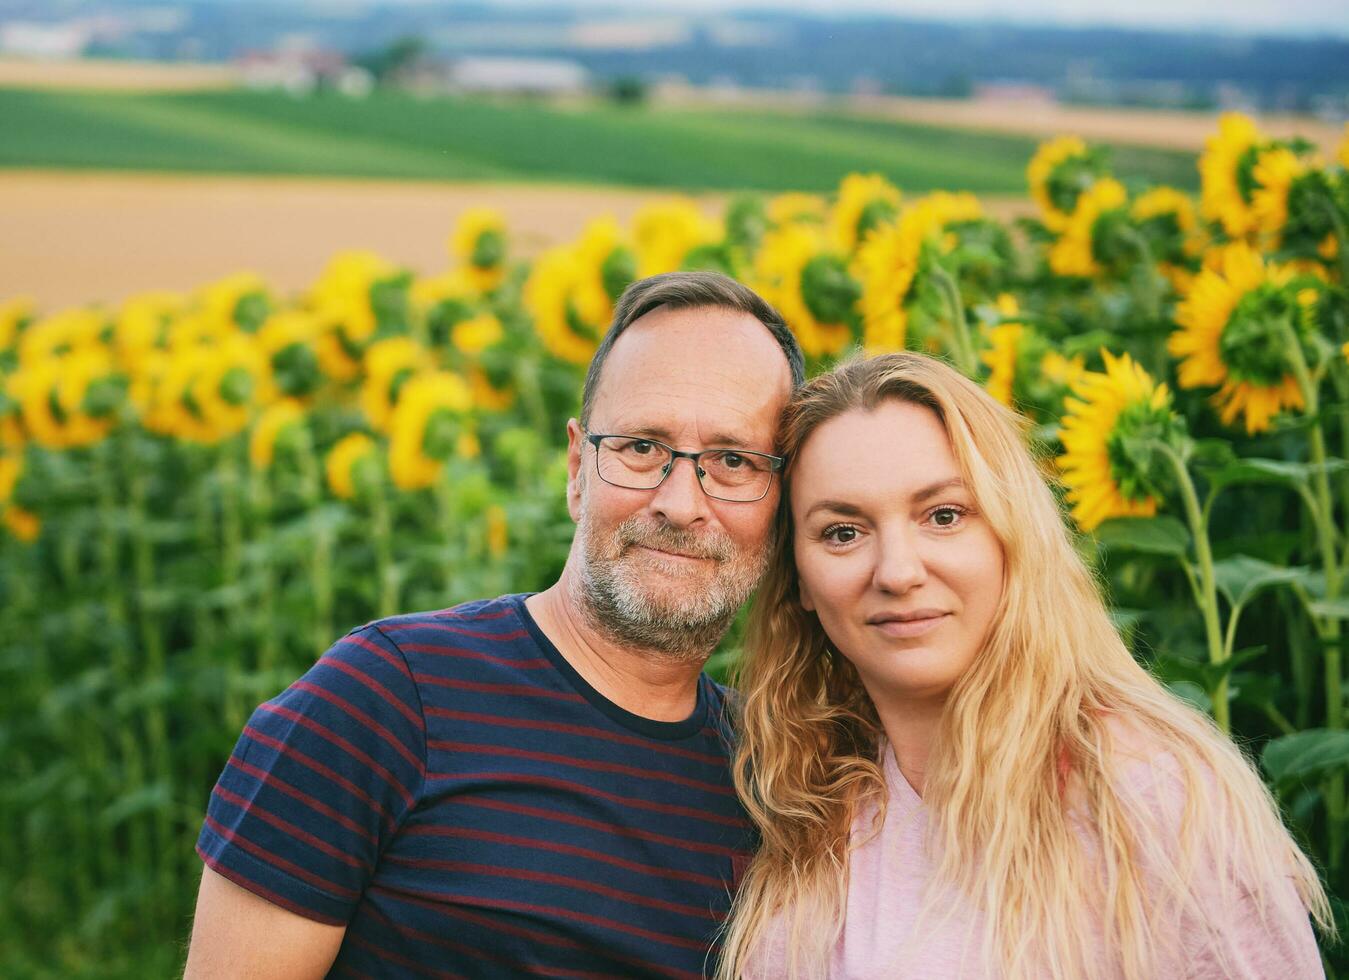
[[575, 448]]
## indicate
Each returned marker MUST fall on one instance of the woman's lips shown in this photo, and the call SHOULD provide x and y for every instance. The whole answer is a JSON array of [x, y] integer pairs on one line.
[[905, 628]]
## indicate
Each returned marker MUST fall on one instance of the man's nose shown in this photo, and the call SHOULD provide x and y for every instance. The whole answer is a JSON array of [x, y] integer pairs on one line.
[[680, 498]]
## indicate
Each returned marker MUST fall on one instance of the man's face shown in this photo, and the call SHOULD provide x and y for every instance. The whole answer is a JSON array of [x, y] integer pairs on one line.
[[666, 569]]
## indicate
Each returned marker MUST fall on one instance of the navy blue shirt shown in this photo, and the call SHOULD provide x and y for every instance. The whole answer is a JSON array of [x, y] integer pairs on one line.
[[450, 789]]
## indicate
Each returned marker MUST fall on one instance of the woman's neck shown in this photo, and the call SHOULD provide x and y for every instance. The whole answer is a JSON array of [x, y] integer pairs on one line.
[[911, 728]]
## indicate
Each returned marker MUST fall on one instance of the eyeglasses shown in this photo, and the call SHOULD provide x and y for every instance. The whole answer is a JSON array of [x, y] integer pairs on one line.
[[635, 463]]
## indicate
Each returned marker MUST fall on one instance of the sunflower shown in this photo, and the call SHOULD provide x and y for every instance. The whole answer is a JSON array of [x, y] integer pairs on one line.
[[1225, 174], [349, 452], [1003, 351], [430, 424], [237, 301], [23, 524], [571, 290], [60, 333], [274, 420], [479, 242], [69, 401], [288, 338], [796, 208], [1058, 173], [207, 392], [1231, 335], [11, 468], [343, 299], [143, 324], [888, 263], [1110, 412], [864, 202], [497, 530], [665, 232], [15, 314], [811, 286], [389, 364], [1077, 252]]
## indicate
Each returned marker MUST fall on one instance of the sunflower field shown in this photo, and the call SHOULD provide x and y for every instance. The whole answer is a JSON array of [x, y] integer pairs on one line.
[[199, 492]]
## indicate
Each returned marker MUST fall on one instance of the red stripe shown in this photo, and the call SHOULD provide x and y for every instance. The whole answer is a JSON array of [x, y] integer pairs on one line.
[[515, 690], [274, 860], [370, 722], [499, 925], [341, 743], [255, 809], [432, 830], [617, 831], [403, 961], [375, 685], [312, 802], [560, 913], [581, 788], [446, 628], [549, 878], [583, 730], [464, 653], [476, 617], [264, 892], [592, 765], [393, 661], [325, 771]]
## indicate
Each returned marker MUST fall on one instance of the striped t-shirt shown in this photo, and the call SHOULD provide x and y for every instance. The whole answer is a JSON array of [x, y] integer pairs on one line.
[[450, 789]]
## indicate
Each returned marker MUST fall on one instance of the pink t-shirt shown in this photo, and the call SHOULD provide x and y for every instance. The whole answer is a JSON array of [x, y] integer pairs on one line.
[[883, 937]]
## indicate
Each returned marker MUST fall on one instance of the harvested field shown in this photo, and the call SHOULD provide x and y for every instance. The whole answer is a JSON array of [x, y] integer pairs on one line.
[[114, 76], [77, 238]]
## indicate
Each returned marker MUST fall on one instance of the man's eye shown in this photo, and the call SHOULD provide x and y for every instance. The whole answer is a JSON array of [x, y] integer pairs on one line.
[[640, 447], [733, 461]]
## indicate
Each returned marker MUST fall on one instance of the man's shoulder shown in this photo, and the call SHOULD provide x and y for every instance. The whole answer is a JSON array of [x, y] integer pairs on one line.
[[489, 619]]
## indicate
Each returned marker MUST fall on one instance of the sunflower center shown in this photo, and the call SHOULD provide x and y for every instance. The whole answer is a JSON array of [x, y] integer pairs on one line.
[[1137, 465], [829, 292], [441, 434], [236, 387], [489, 250], [250, 310], [297, 369], [1252, 343], [876, 212]]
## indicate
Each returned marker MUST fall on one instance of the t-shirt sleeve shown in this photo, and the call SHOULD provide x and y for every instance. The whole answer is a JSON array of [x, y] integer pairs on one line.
[[322, 776]]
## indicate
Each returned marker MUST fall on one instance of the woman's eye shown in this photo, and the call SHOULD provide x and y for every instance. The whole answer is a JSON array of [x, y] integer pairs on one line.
[[840, 534], [946, 516]]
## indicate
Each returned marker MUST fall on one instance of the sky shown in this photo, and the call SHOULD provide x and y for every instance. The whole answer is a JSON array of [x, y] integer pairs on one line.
[[1300, 17]]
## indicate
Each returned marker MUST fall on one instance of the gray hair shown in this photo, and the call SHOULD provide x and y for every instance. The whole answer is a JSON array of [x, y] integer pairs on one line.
[[690, 290]]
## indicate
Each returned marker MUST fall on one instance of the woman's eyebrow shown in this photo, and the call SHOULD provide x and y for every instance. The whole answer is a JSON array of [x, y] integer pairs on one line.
[[932, 489], [834, 506]]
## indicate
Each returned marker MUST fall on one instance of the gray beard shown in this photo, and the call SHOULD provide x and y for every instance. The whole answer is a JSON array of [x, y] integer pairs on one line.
[[685, 628]]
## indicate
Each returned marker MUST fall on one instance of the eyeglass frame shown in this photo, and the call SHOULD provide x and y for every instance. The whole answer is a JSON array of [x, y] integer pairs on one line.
[[775, 463]]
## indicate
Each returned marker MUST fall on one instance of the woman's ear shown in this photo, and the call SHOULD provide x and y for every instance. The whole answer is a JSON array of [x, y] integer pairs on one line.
[[807, 603]]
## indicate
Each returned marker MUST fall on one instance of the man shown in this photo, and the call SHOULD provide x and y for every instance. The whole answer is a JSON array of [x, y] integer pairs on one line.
[[532, 785]]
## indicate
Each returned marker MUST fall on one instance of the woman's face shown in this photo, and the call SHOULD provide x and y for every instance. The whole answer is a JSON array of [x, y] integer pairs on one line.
[[903, 572]]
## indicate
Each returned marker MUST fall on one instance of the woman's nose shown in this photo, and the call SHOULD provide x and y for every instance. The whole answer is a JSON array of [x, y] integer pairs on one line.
[[899, 564]]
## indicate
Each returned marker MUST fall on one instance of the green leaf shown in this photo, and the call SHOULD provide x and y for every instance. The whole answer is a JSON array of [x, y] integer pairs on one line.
[[1240, 577], [1330, 608], [156, 796], [1145, 535], [1304, 754], [1193, 693], [1275, 471]]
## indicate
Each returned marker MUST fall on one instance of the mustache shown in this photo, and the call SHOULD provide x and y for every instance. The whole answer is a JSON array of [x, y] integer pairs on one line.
[[666, 538]]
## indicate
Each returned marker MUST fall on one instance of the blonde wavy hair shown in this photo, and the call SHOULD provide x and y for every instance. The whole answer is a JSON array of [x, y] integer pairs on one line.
[[1073, 878]]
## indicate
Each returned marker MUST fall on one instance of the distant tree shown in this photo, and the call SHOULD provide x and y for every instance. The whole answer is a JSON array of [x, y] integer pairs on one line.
[[627, 90], [385, 62]]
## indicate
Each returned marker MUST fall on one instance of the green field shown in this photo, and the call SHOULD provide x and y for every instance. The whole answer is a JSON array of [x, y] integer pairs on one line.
[[396, 135]]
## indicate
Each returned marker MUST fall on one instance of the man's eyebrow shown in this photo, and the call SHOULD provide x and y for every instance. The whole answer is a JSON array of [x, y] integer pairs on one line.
[[719, 440]]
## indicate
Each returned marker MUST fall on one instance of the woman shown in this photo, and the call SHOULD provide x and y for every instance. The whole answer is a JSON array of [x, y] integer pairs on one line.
[[956, 767]]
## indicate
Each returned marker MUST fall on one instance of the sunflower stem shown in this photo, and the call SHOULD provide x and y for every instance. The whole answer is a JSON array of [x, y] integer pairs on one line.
[[1341, 235], [1209, 593], [382, 529], [963, 346], [1327, 627]]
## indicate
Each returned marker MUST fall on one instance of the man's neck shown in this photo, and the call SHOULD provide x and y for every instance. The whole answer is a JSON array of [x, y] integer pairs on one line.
[[643, 682]]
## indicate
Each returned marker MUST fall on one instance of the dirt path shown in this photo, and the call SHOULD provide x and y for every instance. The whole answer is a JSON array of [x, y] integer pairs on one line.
[[70, 238]]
